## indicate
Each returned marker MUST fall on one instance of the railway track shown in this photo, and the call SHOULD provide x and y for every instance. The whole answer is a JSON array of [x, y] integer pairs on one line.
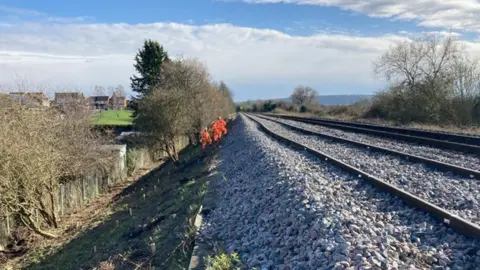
[[464, 143], [281, 207], [431, 160], [450, 219]]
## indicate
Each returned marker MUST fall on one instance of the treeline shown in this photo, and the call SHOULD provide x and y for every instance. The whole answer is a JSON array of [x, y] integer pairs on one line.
[[174, 98], [432, 80], [303, 99]]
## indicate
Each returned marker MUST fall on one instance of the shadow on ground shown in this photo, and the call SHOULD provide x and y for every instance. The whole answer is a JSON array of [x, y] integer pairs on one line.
[[151, 224]]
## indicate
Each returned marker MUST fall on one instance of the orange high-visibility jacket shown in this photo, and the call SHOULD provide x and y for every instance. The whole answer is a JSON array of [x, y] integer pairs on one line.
[[205, 135], [222, 123]]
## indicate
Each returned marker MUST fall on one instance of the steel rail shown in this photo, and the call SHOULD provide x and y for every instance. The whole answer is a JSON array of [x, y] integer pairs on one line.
[[453, 221], [464, 139], [438, 143], [441, 166]]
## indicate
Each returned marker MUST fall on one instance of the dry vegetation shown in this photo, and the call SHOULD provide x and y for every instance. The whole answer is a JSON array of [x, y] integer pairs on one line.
[[39, 149], [185, 102], [433, 81], [141, 223], [44, 147]]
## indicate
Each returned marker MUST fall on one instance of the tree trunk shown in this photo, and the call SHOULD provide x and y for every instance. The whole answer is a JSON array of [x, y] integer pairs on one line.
[[171, 153], [53, 214], [32, 225]]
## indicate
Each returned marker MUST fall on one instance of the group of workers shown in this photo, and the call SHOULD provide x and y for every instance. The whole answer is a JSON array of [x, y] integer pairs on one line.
[[219, 128]]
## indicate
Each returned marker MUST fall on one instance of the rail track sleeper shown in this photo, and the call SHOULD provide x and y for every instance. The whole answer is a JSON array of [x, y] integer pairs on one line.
[[441, 166], [467, 148], [455, 222]]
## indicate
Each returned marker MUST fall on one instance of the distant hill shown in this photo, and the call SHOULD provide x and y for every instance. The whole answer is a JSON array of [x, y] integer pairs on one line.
[[338, 99], [327, 99]]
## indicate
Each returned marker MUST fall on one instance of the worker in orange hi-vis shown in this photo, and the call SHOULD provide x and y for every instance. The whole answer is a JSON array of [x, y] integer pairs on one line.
[[205, 138], [222, 125], [216, 130]]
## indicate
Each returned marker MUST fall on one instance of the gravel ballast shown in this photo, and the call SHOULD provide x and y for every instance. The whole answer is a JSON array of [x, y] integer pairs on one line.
[[457, 194], [452, 157], [284, 209]]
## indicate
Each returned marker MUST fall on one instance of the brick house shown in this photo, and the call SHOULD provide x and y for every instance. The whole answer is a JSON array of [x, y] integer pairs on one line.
[[118, 102]]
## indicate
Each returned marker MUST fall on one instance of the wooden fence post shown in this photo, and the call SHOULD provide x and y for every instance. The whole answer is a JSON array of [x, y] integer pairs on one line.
[[97, 188], [7, 222], [62, 196], [84, 195]]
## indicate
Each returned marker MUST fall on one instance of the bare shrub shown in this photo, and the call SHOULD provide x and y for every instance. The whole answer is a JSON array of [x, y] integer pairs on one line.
[[182, 105], [39, 148], [105, 265], [161, 117], [304, 96], [344, 111]]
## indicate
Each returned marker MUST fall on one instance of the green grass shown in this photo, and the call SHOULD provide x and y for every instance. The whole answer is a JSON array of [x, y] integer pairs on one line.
[[224, 261], [114, 118]]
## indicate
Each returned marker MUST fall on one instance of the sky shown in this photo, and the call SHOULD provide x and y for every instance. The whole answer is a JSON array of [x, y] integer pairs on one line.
[[261, 48]]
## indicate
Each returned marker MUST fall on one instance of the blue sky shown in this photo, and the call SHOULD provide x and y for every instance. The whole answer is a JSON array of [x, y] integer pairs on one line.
[[261, 48]]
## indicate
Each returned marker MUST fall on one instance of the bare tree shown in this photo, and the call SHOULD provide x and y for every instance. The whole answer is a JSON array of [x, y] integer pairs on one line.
[[120, 91], [466, 91], [99, 90], [422, 59], [423, 72], [185, 102], [194, 80], [110, 91], [304, 95]]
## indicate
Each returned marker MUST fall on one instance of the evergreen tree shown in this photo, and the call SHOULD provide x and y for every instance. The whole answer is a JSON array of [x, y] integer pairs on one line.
[[148, 64]]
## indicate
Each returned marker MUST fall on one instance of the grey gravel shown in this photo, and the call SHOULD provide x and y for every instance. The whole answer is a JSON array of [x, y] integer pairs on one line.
[[452, 157], [457, 194], [284, 209]]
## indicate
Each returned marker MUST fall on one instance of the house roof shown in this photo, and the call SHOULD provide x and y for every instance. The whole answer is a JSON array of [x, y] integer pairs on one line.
[[17, 93]]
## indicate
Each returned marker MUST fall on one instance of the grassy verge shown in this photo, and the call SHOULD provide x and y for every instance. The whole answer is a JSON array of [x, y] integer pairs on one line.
[[148, 223], [114, 118]]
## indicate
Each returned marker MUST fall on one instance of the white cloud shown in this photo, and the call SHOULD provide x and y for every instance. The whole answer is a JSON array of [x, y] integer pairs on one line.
[[454, 14], [89, 54]]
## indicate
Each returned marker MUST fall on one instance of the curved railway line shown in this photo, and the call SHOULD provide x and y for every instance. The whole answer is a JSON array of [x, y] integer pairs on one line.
[[288, 200], [449, 218], [464, 143], [442, 166]]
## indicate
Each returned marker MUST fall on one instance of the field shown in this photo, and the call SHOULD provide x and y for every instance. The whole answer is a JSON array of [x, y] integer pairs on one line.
[[114, 118]]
